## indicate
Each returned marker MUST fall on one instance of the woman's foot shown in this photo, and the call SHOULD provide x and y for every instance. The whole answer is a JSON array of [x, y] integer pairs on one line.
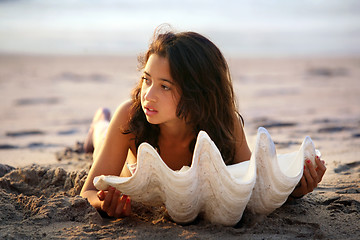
[[100, 115]]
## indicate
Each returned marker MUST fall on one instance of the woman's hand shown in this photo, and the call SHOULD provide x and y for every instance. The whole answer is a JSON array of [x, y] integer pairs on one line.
[[114, 203], [310, 179]]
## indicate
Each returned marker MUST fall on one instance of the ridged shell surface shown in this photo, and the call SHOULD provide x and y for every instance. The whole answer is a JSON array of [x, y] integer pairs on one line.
[[218, 192]]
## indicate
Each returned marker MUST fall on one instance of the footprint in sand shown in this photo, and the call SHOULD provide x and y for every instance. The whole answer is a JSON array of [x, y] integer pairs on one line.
[[24, 133], [344, 205], [348, 168]]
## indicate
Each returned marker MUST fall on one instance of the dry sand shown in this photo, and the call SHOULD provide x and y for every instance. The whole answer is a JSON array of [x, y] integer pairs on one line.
[[47, 104]]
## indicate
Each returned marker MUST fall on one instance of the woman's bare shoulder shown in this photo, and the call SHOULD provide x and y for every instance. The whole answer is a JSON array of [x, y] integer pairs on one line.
[[242, 151], [123, 113]]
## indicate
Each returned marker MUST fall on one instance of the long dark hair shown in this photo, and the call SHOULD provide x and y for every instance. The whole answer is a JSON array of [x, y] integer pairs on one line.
[[202, 76]]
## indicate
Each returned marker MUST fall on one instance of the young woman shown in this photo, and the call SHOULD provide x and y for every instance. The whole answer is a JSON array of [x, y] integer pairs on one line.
[[185, 87]]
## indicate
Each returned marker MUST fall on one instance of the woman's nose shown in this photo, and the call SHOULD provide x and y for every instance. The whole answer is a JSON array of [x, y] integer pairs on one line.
[[150, 94]]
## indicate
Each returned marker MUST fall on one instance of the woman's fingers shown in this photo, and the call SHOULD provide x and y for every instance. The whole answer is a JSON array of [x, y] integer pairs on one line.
[[303, 185], [101, 195], [313, 181], [114, 204], [127, 208], [300, 190], [309, 180], [120, 206], [108, 199], [311, 177], [321, 169]]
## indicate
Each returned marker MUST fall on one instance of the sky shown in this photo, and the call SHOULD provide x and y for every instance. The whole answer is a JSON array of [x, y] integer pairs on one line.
[[239, 28]]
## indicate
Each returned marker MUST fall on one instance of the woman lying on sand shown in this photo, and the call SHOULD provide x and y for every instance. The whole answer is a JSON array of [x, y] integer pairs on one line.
[[185, 87]]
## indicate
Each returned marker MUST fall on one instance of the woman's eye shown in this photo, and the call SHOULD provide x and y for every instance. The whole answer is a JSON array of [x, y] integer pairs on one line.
[[165, 87], [146, 80]]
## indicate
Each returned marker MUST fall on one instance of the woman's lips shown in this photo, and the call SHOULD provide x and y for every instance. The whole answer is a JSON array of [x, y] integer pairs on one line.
[[150, 111]]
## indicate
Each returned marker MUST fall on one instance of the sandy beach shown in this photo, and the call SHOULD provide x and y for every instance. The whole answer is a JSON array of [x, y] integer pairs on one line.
[[47, 103]]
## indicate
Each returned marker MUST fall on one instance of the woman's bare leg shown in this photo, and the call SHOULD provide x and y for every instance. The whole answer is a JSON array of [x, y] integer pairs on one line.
[[97, 129]]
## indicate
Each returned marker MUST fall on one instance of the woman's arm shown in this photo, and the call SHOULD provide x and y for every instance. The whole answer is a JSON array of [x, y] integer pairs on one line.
[[109, 160]]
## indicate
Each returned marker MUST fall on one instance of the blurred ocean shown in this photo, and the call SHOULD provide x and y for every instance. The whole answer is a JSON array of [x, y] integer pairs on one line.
[[246, 28]]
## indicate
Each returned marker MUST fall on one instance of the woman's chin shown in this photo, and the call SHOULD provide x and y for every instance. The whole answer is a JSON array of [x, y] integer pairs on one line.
[[151, 120]]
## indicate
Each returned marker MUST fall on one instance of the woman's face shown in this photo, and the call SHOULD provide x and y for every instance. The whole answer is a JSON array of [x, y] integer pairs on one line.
[[159, 94]]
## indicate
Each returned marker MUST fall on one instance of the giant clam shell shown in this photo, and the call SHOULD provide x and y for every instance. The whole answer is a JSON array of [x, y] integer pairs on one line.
[[276, 175], [218, 192]]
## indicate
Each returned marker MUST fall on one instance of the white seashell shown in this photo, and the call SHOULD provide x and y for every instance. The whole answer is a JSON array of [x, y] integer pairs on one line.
[[210, 187], [219, 192], [277, 175]]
